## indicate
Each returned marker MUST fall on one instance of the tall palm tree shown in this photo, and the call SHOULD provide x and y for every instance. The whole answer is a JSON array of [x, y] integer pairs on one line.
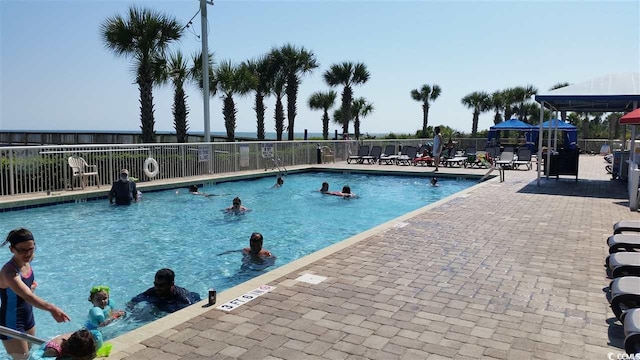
[[295, 62], [323, 101], [511, 97], [178, 72], [480, 102], [425, 94], [497, 103], [232, 79], [346, 74], [279, 82], [523, 94], [260, 69], [143, 36], [360, 108]]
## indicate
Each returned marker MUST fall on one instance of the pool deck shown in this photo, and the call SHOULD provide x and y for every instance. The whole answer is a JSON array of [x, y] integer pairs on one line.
[[504, 270]]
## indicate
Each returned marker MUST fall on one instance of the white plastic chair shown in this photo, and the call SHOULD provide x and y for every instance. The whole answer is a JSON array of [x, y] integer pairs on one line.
[[80, 169]]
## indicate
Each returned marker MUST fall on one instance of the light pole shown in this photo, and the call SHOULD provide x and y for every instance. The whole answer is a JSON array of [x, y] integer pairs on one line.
[[205, 68]]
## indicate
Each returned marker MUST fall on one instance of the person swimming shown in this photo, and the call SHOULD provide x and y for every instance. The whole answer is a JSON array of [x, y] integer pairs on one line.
[[236, 207], [325, 188], [434, 181]]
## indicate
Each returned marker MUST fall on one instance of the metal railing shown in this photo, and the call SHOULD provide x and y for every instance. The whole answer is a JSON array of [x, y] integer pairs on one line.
[[34, 169]]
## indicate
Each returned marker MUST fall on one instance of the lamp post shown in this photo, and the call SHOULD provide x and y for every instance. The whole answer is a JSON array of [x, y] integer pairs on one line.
[[205, 68]]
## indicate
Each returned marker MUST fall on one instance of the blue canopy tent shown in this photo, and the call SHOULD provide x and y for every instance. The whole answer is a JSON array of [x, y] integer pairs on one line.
[[511, 124], [570, 132]]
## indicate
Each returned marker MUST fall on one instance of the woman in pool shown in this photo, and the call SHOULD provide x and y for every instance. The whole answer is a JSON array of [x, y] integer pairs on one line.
[[346, 192], [279, 182], [325, 188], [16, 293], [237, 207], [104, 309]]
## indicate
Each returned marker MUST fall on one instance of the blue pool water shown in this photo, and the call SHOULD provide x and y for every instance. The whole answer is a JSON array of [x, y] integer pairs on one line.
[[91, 243]]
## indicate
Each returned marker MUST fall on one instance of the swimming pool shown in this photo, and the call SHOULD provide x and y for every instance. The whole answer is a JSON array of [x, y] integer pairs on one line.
[[91, 243]]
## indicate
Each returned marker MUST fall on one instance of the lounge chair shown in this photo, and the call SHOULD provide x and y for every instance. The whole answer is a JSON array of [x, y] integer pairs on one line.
[[623, 243], [505, 160], [624, 294], [524, 158], [623, 264], [373, 156], [471, 154], [632, 331], [407, 155], [81, 170], [362, 151], [455, 158], [626, 225], [389, 155], [423, 160]]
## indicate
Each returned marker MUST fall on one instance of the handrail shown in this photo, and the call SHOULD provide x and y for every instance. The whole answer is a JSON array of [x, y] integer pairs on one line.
[[22, 336]]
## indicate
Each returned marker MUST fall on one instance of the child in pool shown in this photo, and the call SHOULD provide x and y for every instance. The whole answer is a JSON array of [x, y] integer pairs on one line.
[[103, 311], [80, 345]]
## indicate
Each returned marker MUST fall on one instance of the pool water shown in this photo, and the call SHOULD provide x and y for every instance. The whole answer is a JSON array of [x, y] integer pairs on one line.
[[92, 243]]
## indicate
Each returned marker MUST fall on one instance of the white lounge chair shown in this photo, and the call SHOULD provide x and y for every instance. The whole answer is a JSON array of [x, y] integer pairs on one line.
[[389, 155], [81, 170]]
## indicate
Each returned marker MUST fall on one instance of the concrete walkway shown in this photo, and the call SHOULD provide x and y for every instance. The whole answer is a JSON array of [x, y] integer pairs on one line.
[[504, 271]]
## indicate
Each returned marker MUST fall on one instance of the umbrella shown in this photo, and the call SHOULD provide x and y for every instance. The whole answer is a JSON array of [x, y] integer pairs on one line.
[[632, 118]]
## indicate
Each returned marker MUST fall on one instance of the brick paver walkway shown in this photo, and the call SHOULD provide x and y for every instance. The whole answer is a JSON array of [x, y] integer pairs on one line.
[[508, 271]]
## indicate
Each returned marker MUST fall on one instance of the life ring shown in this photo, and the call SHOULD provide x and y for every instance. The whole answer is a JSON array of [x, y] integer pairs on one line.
[[151, 167]]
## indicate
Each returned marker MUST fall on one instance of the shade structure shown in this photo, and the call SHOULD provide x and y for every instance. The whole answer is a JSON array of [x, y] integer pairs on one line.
[[632, 118], [511, 124]]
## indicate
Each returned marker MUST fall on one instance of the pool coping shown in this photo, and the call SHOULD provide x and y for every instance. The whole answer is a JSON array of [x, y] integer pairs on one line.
[[129, 342]]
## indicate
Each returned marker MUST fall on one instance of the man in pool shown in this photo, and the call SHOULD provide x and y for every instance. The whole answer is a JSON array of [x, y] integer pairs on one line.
[[165, 295], [123, 190]]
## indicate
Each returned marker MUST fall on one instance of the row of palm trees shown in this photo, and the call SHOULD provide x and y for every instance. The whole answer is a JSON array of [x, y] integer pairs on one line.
[[146, 35]]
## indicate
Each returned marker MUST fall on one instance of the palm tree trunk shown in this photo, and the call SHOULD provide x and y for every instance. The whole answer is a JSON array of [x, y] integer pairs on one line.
[[474, 126], [497, 118], [356, 126], [229, 112], [260, 109], [292, 94], [347, 97], [180, 114], [325, 124], [425, 118], [145, 85], [279, 118]]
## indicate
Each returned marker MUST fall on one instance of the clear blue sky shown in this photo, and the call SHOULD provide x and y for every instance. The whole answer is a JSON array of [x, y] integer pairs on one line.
[[55, 73]]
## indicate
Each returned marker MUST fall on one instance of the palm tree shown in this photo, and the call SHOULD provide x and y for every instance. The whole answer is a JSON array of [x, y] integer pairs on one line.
[[295, 62], [510, 96], [479, 101], [323, 101], [497, 103], [360, 108], [232, 79], [279, 81], [346, 74], [559, 85], [424, 95], [523, 94], [143, 36], [178, 72], [261, 70]]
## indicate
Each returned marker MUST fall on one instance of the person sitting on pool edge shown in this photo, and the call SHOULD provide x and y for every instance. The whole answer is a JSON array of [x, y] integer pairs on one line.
[[165, 295], [237, 207], [123, 190]]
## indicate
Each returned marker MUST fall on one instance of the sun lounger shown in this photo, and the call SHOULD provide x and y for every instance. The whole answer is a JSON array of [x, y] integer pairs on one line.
[[623, 264], [523, 158], [407, 155], [623, 243], [389, 155], [624, 294], [505, 160], [373, 156], [362, 151], [423, 160], [626, 225], [456, 159], [632, 331]]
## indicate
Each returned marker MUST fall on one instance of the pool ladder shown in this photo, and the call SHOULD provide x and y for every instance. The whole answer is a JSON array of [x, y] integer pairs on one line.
[[276, 164]]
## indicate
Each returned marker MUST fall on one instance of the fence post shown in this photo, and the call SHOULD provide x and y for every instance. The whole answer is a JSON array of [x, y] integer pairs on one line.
[[12, 188]]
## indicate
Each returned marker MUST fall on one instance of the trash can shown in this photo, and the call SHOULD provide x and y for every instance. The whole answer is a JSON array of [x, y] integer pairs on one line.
[[318, 154]]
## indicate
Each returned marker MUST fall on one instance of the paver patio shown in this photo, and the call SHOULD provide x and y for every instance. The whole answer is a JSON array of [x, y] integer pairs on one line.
[[506, 271]]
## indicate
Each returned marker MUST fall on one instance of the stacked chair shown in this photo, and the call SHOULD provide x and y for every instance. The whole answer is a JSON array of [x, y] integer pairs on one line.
[[623, 266]]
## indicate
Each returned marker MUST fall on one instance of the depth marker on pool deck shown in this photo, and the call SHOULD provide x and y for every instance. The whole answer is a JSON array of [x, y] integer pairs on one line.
[[400, 225], [311, 279], [241, 300]]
